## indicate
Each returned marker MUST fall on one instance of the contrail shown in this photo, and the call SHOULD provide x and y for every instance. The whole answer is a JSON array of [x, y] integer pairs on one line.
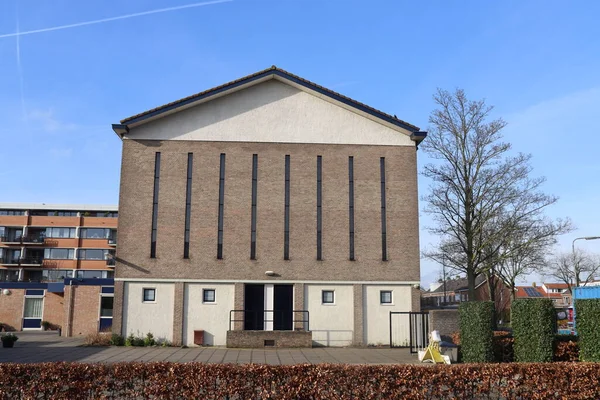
[[99, 21], [20, 69]]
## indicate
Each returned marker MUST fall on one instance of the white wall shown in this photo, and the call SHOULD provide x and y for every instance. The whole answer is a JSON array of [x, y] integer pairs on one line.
[[271, 111], [140, 318], [213, 318], [331, 324], [377, 316]]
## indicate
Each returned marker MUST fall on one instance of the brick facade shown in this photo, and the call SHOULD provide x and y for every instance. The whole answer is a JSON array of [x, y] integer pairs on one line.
[[136, 212], [444, 321], [83, 312], [11, 309], [54, 308]]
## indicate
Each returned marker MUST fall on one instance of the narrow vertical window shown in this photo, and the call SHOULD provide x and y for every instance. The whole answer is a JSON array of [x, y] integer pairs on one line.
[[221, 202], [383, 214], [286, 223], [319, 211], [188, 206], [155, 205], [253, 217], [351, 204]]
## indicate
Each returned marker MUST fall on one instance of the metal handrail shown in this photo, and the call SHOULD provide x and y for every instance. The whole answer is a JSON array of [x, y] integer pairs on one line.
[[257, 313]]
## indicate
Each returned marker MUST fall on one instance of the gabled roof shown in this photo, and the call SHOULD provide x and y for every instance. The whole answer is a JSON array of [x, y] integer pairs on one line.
[[529, 292], [272, 72], [452, 285]]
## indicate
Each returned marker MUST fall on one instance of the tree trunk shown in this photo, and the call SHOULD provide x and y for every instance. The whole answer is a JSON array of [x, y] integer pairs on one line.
[[471, 284]]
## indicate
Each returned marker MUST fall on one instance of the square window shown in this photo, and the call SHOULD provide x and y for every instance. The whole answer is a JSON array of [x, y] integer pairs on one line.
[[385, 296], [327, 296], [149, 295], [208, 295]]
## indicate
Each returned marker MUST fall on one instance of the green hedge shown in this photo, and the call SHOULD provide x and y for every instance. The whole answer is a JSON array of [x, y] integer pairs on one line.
[[476, 331], [533, 322], [587, 323]]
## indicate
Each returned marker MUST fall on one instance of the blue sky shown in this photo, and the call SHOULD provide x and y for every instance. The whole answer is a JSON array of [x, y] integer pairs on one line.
[[538, 62]]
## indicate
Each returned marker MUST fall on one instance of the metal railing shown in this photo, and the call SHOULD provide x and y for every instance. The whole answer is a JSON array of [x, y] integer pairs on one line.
[[31, 260], [258, 318], [11, 239], [9, 260], [111, 262], [37, 238]]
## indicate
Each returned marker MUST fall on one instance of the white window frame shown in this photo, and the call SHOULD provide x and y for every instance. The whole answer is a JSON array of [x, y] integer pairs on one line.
[[34, 296], [391, 303], [332, 303], [214, 296], [144, 295]]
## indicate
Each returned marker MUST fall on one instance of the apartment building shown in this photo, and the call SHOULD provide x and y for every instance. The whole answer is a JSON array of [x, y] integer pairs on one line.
[[267, 211], [45, 246]]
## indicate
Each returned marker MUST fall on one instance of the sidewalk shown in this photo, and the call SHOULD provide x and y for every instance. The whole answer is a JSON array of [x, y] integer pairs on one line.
[[34, 347]]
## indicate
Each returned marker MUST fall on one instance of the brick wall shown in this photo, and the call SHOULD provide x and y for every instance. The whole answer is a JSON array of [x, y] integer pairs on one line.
[[444, 321], [136, 206], [256, 339], [11, 309], [85, 309], [54, 311]]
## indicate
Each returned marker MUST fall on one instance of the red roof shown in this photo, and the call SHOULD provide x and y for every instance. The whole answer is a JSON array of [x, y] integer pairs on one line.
[[556, 285], [529, 292]]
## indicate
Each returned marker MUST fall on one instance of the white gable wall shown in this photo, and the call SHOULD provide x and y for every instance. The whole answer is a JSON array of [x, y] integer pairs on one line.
[[271, 111]]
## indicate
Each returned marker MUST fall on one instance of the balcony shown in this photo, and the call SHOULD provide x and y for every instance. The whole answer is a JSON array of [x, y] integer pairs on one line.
[[9, 260], [112, 241], [11, 239], [31, 261], [111, 262], [33, 238]]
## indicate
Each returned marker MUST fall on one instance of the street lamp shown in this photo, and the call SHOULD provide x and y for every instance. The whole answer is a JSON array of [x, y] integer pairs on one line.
[[583, 238], [573, 250]]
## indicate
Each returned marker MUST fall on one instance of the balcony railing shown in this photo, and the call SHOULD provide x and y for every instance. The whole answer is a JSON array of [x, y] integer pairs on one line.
[[9, 260], [11, 239], [111, 262], [34, 238], [112, 241], [31, 261]]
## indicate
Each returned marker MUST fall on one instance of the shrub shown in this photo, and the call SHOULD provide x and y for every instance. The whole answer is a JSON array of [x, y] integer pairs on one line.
[[533, 322], [130, 340], [587, 324], [475, 319], [503, 348], [149, 340], [323, 381], [117, 340], [97, 339], [566, 351]]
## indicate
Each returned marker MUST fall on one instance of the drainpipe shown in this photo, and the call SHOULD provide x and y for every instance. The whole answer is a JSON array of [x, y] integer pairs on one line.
[[68, 328]]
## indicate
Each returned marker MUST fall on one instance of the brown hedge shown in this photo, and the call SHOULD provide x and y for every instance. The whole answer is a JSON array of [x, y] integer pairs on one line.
[[325, 381]]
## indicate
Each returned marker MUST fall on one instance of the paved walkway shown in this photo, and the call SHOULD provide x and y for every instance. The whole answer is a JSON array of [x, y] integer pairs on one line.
[[34, 347]]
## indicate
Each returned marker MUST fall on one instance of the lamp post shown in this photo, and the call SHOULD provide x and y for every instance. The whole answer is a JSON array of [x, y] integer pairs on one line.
[[583, 238], [573, 249]]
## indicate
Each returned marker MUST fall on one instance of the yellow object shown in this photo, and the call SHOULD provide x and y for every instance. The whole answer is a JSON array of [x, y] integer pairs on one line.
[[432, 353]]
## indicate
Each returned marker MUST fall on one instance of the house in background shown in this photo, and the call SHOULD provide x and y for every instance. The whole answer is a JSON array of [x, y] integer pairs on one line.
[[266, 211]]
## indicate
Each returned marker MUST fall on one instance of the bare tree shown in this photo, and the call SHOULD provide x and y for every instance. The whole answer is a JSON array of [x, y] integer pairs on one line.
[[575, 269], [479, 193]]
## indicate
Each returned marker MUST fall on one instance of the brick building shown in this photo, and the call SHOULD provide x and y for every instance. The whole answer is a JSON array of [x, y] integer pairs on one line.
[[51, 256], [266, 204]]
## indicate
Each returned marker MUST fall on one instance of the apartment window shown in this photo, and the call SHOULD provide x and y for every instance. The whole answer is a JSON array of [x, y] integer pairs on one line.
[[12, 212], [34, 307], [59, 254], [54, 213], [149, 295], [254, 200], [59, 233], [385, 296], [56, 275], [95, 274], [351, 205], [327, 296], [155, 205], [106, 306], [94, 233], [105, 214], [319, 210], [208, 296], [221, 207], [383, 211], [92, 254], [286, 222], [188, 206]]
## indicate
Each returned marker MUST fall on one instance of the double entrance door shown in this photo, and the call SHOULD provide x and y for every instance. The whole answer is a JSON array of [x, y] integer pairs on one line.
[[268, 307]]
